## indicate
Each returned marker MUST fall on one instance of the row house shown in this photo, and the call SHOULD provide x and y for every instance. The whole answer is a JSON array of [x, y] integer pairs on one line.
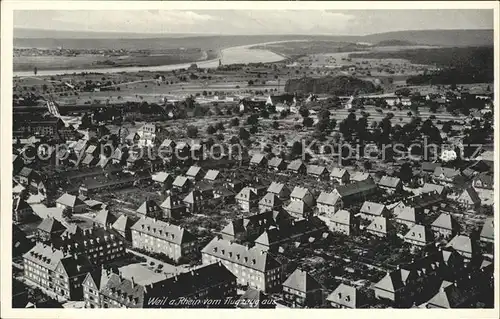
[[173, 207], [270, 202], [342, 221], [347, 297], [253, 267], [370, 210], [104, 289], [297, 166], [149, 209], [276, 164], [445, 226], [380, 226], [160, 237], [195, 173], [54, 271], [340, 175], [303, 194], [296, 231], [247, 199], [318, 172], [301, 290], [279, 190], [258, 160], [390, 184], [328, 203], [419, 236], [408, 216]]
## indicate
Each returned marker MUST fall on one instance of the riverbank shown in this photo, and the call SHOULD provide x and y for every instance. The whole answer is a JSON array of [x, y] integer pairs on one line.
[[89, 61]]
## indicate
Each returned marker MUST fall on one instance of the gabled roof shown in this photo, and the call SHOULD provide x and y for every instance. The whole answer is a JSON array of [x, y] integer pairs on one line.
[[346, 295], [104, 217], [410, 214], [69, 200], [161, 177], [25, 172], [379, 224], [297, 207], [193, 197], [247, 194], [123, 223], [328, 198], [212, 175], [301, 281], [485, 177], [355, 188], [299, 192], [316, 170], [166, 231], [257, 158], [148, 207], [193, 171], [270, 199], [472, 194], [394, 280], [462, 243], [359, 176], [51, 225], [389, 181], [488, 230], [338, 172], [429, 166], [171, 202], [446, 171], [275, 188], [429, 188], [253, 258], [372, 208], [275, 161], [450, 296], [342, 217], [295, 165], [167, 143], [180, 181], [446, 221], [419, 233]]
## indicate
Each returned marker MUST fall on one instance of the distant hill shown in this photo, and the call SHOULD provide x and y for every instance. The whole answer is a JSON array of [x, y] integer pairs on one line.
[[338, 85], [457, 38], [391, 43], [118, 40]]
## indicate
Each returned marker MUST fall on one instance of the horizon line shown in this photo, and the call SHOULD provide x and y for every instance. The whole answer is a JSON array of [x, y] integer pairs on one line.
[[188, 34]]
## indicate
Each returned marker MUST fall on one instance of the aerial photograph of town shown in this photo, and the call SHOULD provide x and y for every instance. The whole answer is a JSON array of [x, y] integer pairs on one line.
[[253, 159]]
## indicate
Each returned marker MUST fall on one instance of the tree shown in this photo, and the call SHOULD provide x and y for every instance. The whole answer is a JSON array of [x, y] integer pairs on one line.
[[307, 122], [253, 119], [211, 130], [192, 131], [275, 125], [67, 213], [219, 126], [235, 121], [250, 82], [304, 112], [244, 134], [254, 129], [296, 149], [406, 172], [264, 114]]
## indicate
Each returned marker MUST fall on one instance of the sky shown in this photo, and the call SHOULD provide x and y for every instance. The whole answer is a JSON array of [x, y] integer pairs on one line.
[[331, 22]]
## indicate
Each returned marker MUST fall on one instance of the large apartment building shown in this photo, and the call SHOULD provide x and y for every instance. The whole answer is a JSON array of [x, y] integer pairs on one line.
[[55, 271], [205, 287], [252, 266], [160, 237], [99, 244]]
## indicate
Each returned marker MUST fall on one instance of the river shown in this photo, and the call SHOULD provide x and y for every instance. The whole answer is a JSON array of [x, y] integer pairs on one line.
[[233, 55]]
